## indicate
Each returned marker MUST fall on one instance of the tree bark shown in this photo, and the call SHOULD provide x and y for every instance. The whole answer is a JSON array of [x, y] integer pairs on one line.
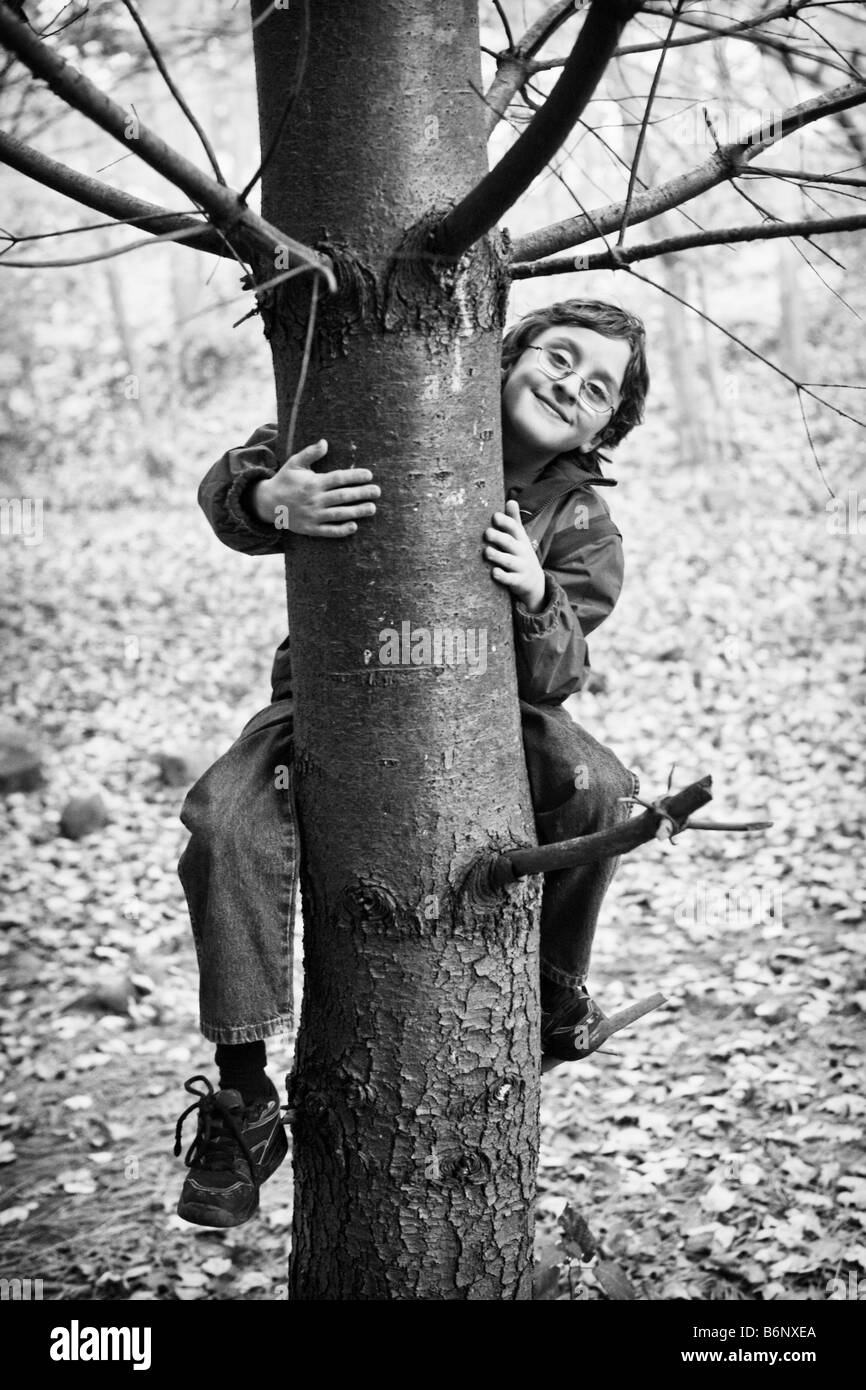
[[416, 1078]]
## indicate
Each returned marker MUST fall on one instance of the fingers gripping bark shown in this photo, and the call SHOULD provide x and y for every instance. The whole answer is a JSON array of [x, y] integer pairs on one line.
[[325, 505]]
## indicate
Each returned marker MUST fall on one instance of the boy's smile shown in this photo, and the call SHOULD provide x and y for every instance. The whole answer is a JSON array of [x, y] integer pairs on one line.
[[542, 417]]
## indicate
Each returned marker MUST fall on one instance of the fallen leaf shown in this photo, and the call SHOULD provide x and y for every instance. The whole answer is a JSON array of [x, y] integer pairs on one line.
[[719, 1198]]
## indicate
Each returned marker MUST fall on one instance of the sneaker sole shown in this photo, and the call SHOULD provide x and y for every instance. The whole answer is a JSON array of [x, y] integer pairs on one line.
[[199, 1213]]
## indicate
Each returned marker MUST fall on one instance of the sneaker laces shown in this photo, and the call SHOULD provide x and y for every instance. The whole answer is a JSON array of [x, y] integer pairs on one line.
[[218, 1135]]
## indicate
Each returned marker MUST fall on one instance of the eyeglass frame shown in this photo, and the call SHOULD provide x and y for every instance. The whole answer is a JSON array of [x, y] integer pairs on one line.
[[543, 347]]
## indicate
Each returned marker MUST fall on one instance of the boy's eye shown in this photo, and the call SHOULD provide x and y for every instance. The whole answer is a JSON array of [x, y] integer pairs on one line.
[[597, 393], [559, 361]]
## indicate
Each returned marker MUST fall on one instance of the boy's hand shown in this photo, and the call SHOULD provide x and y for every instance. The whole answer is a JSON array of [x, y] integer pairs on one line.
[[515, 563], [314, 504]]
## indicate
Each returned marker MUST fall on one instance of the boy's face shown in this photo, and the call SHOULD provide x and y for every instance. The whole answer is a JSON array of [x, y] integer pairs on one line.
[[542, 417]]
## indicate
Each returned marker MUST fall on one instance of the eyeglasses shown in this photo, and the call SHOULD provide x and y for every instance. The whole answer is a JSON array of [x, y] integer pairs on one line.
[[593, 393]]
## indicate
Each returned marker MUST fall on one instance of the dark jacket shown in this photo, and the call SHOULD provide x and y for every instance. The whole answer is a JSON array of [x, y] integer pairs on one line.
[[578, 546]]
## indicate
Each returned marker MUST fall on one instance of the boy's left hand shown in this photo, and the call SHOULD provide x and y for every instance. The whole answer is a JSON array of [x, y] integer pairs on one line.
[[515, 563]]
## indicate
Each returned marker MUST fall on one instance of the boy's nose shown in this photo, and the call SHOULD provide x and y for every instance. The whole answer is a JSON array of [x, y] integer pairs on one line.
[[566, 391]]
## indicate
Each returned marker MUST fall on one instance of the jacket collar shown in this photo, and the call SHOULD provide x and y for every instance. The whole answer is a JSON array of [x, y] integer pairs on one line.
[[562, 475]]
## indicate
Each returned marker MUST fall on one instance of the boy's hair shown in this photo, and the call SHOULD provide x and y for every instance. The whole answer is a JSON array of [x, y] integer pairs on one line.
[[601, 317]]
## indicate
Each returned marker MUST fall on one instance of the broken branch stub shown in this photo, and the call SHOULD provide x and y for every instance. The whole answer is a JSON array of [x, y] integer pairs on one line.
[[505, 868]]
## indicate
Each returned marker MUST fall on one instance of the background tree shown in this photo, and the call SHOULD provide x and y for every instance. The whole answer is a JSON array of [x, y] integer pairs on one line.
[[415, 1137]]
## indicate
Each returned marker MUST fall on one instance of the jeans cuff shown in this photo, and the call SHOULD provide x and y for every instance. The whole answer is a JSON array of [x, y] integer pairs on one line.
[[247, 1032], [561, 977]]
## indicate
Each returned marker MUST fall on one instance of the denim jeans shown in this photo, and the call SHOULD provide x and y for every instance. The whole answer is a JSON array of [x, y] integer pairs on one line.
[[239, 870]]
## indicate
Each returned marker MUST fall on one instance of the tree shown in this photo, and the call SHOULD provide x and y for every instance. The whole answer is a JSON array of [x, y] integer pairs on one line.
[[416, 1081]]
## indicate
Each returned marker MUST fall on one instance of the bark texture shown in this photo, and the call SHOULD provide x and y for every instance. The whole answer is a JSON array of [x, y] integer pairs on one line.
[[416, 1078]]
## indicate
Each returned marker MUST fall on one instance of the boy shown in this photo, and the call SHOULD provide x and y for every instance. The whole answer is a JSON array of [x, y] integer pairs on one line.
[[574, 378]]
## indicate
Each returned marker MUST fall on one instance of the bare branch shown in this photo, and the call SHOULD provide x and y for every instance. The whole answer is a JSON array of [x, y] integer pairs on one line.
[[513, 67], [244, 228], [802, 176], [746, 29], [106, 254], [632, 177], [509, 37], [93, 193], [826, 43], [502, 869], [608, 1027], [723, 164], [617, 258], [172, 87], [497, 191]]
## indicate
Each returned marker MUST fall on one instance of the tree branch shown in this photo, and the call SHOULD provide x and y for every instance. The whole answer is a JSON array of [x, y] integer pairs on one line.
[[801, 175], [502, 869], [93, 193], [172, 87], [106, 254], [721, 165], [660, 821], [616, 258], [244, 228], [747, 29], [497, 191], [513, 66]]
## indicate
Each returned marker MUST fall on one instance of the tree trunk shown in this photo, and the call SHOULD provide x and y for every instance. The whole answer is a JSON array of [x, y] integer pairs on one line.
[[416, 1076]]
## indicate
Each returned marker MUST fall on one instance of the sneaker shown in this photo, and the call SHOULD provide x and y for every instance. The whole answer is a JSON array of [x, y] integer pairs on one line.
[[236, 1148], [570, 1022]]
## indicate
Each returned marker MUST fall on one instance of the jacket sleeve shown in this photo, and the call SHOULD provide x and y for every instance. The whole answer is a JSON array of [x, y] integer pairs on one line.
[[552, 655], [223, 496]]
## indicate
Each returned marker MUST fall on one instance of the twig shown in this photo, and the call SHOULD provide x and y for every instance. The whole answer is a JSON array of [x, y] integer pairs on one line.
[[753, 352], [302, 375], [728, 824], [624, 1017], [93, 193], [747, 29], [105, 255], [509, 37], [624, 256], [173, 88], [609, 1026], [562, 236], [297, 81], [632, 176]]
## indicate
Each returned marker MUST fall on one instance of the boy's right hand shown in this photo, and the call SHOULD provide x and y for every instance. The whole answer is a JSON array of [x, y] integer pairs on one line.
[[314, 504]]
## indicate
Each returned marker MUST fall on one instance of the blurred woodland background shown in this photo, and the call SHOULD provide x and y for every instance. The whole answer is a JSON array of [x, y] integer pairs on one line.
[[716, 1150]]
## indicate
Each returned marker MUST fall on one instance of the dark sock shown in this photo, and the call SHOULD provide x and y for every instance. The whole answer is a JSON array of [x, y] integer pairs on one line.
[[242, 1068]]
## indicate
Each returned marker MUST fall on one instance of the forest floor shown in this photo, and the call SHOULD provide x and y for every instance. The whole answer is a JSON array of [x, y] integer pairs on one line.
[[715, 1150]]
